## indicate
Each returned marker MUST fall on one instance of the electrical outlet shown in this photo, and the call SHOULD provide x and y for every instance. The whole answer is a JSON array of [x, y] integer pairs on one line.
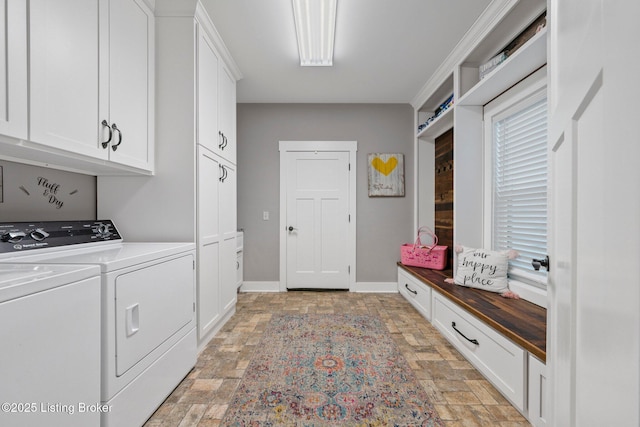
[[265, 216]]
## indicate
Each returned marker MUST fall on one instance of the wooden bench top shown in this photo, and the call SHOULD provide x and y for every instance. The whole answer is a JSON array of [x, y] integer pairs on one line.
[[521, 321]]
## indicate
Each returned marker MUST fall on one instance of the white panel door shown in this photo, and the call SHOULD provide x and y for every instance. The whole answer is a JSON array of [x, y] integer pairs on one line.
[[65, 75], [594, 289], [317, 220], [130, 70]]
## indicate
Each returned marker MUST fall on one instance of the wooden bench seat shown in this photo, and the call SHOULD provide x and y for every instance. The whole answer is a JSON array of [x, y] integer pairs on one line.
[[521, 321]]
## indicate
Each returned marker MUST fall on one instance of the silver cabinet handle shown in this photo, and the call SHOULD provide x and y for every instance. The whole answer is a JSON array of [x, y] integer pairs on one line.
[[115, 146], [105, 144]]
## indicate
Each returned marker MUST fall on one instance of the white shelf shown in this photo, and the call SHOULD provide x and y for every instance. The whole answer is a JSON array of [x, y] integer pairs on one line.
[[531, 56], [440, 125]]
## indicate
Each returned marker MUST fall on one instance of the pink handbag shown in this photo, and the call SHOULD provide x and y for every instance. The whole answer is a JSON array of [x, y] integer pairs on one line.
[[419, 255]]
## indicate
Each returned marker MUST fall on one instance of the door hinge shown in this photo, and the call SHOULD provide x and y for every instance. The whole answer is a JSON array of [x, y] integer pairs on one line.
[[349, 217], [194, 307], [349, 269], [194, 264], [349, 166]]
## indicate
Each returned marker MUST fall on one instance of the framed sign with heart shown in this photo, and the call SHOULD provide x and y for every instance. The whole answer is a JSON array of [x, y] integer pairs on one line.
[[386, 174]]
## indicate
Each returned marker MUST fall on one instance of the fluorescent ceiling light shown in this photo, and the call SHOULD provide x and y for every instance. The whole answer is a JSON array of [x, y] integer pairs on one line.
[[315, 28]]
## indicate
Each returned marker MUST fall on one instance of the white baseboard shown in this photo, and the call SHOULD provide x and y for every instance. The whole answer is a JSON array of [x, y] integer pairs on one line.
[[370, 287], [260, 287]]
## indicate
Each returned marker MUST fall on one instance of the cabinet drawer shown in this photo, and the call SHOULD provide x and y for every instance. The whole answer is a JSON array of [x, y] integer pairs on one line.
[[500, 360], [416, 292]]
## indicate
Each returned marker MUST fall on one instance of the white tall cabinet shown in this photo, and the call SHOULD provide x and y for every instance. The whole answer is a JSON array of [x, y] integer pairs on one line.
[[89, 67], [192, 196]]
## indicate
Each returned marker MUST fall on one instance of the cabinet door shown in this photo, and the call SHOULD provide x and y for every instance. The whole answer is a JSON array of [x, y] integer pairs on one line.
[[64, 75], [228, 275], [131, 26], [228, 209], [227, 114], [537, 380], [228, 232], [13, 68], [207, 94], [208, 241], [239, 269]]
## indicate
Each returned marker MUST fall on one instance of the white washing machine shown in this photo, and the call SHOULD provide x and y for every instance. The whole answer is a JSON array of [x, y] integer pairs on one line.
[[49, 345], [148, 333]]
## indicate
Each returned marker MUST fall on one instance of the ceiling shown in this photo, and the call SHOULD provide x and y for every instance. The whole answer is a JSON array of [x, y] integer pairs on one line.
[[385, 50]]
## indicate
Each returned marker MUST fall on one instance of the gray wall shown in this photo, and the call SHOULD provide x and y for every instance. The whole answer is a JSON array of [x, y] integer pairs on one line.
[[383, 223], [34, 193]]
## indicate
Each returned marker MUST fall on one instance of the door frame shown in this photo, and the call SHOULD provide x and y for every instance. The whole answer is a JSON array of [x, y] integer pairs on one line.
[[318, 146]]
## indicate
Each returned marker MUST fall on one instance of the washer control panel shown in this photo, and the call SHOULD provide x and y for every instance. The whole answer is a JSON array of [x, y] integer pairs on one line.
[[27, 236]]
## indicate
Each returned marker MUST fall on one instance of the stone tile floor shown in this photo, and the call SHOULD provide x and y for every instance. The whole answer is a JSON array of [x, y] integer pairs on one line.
[[459, 393]]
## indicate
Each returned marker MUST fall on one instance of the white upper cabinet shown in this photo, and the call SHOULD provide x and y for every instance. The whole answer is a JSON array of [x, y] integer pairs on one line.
[[207, 94], [65, 75], [13, 68], [216, 97], [131, 33], [91, 77], [227, 112]]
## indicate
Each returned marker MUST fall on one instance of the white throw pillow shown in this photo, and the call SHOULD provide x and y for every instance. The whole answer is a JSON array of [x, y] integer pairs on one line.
[[483, 269]]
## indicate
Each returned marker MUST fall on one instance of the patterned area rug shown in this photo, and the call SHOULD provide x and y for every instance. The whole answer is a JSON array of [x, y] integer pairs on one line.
[[327, 370]]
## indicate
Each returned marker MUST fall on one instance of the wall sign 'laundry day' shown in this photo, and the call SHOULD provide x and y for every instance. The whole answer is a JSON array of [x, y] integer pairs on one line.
[[386, 174]]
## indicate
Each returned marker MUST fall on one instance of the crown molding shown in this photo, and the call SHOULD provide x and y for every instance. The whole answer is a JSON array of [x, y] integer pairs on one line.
[[194, 9], [489, 18]]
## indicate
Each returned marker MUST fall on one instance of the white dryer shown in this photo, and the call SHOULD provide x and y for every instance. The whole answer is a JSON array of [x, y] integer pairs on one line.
[[148, 333]]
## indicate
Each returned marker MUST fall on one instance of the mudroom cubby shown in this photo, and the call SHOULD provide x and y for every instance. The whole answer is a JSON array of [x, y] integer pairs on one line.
[[507, 44], [497, 28]]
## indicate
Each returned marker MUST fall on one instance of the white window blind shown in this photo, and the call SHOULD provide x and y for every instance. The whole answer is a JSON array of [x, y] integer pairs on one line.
[[520, 187]]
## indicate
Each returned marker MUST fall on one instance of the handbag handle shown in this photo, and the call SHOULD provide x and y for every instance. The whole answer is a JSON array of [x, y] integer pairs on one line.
[[425, 230]]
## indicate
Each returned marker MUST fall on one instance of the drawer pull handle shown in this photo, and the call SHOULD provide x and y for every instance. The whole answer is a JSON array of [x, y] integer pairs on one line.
[[406, 285], [474, 341]]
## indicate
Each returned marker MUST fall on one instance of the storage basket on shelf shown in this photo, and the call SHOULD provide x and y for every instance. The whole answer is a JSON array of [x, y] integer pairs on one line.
[[418, 255]]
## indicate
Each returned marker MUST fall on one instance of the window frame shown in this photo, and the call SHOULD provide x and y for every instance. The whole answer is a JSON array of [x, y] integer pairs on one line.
[[525, 93]]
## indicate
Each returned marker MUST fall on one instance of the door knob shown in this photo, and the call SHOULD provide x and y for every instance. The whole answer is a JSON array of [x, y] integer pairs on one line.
[[292, 228]]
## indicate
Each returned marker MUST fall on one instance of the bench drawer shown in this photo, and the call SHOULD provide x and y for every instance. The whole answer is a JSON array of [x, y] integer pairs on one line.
[[416, 292], [500, 360]]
